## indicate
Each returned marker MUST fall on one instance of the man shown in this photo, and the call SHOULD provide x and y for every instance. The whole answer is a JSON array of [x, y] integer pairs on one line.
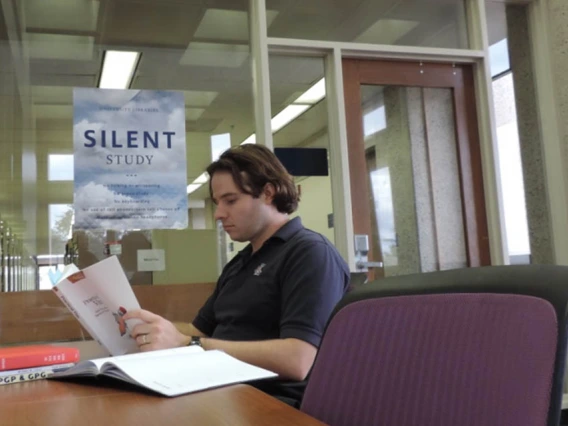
[[272, 301]]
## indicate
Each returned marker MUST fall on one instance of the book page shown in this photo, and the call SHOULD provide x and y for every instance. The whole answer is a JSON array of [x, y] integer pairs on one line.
[[94, 366], [181, 373], [184, 350], [68, 270], [100, 295]]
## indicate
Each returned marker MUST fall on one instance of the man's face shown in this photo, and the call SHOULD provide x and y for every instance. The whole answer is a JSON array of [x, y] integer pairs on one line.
[[243, 217]]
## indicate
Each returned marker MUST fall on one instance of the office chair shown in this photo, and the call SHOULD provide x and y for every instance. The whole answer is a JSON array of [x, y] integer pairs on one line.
[[479, 346]]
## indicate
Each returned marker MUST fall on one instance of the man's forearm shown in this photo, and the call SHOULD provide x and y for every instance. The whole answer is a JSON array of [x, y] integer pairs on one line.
[[289, 358], [188, 329]]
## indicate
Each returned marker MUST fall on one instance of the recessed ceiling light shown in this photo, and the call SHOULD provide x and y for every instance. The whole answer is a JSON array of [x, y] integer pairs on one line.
[[118, 69], [313, 95], [202, 178], [250, 139], [287, 115], [192, 187]]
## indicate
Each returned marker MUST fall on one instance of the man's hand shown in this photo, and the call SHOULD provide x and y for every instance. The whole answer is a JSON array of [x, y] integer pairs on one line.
[[156, 332]]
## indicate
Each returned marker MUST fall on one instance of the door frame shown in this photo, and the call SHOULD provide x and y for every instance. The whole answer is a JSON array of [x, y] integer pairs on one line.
[[460, 79]]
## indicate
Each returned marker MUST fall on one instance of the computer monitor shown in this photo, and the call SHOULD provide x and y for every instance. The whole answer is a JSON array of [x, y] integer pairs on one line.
[[304, 161]]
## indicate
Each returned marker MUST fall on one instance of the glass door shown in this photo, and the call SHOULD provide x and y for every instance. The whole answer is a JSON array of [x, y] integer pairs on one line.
[[416, 183]]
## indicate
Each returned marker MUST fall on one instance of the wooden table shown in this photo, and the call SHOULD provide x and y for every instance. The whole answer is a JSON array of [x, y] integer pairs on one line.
[[49, 402]]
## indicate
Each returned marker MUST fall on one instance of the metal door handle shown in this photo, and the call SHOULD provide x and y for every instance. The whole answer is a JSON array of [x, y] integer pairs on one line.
[[361, 264]]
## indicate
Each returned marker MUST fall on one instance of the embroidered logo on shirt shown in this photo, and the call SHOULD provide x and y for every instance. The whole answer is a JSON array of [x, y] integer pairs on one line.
[[258, 270]]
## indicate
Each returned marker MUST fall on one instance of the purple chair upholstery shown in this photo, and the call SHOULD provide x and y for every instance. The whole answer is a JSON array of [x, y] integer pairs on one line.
[[403, 352]]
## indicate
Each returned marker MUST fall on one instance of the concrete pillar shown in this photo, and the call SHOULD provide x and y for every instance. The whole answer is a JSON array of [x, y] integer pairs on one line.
[[530, 138]]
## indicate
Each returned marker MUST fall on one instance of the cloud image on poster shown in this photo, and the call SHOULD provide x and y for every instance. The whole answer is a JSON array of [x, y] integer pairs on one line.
[[130, 159]]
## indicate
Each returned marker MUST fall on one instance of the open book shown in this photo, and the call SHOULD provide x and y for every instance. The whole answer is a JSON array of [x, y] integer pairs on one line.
[[171, 372], [99, 296]]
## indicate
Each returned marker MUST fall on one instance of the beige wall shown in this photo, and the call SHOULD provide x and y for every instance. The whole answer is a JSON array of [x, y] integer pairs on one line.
[[191, 256], [316, 204]]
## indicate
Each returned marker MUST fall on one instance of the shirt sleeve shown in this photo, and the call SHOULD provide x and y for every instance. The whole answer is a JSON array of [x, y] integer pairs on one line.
[[314, 280], [205, 319]]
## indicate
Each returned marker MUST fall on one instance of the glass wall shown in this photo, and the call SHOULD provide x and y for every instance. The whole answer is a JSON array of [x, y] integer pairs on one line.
[[508, 141], [198, 48], [402, 23], [201, 48], [300, 127]]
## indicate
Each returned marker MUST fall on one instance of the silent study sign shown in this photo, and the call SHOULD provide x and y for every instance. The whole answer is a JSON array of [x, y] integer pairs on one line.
[[130, 159]]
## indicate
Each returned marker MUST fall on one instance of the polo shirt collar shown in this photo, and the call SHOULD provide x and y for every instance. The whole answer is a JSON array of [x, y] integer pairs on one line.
[[289, 229]]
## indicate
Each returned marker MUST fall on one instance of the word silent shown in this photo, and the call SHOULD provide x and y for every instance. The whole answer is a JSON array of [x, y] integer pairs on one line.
[[131, 139]]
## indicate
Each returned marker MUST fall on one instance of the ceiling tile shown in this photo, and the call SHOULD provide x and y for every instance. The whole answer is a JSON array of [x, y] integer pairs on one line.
[[56, 46], [62, 14], [52, 95], [386, 31], [193, 114], [194, 98], [220, 24], [53, 111], [155, 23], [215, 55]]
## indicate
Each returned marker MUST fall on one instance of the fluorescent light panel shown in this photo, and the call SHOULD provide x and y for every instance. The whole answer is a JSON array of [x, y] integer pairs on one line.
[[313, 95], [202, 178], [309, 98], [118, 69], [250, 139], [192, 187], [287, 115]]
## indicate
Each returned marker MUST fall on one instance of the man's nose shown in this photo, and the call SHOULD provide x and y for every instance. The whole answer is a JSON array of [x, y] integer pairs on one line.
[[219, 213]]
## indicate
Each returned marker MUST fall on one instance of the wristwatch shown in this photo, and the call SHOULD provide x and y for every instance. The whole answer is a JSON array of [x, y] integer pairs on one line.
[[195, 341]]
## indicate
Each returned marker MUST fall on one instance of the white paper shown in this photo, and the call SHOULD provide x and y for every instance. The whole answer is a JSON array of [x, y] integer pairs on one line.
[[180, 373], [99, 299], [172, 372], [99, 362], [115, 249], [151, 260]]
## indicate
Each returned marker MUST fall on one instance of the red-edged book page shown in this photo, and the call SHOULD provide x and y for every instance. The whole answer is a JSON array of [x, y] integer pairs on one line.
[[17, 357]]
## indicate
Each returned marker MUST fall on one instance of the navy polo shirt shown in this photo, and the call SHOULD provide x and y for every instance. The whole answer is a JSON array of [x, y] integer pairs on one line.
[[287, 289]]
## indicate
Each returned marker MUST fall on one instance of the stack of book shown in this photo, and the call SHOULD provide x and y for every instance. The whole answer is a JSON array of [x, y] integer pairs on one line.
[[24, 363]]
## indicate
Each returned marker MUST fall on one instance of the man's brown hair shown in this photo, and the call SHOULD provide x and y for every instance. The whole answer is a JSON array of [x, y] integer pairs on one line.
[[254, 166]]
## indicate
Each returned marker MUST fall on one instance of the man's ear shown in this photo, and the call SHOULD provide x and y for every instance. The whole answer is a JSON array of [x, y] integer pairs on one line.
[[268, 192]]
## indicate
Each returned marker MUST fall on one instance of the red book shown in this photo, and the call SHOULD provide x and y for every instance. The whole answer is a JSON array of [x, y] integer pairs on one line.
[[17, 357]]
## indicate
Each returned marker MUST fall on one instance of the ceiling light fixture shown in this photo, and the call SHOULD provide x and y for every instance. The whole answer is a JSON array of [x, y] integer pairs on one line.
[[288, 114], [192, 187], [306, 100], [250, 139], [202, 178], [118, 69], [313, 95]]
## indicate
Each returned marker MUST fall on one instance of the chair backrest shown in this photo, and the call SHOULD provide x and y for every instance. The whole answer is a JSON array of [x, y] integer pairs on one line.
[[483, 346]]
